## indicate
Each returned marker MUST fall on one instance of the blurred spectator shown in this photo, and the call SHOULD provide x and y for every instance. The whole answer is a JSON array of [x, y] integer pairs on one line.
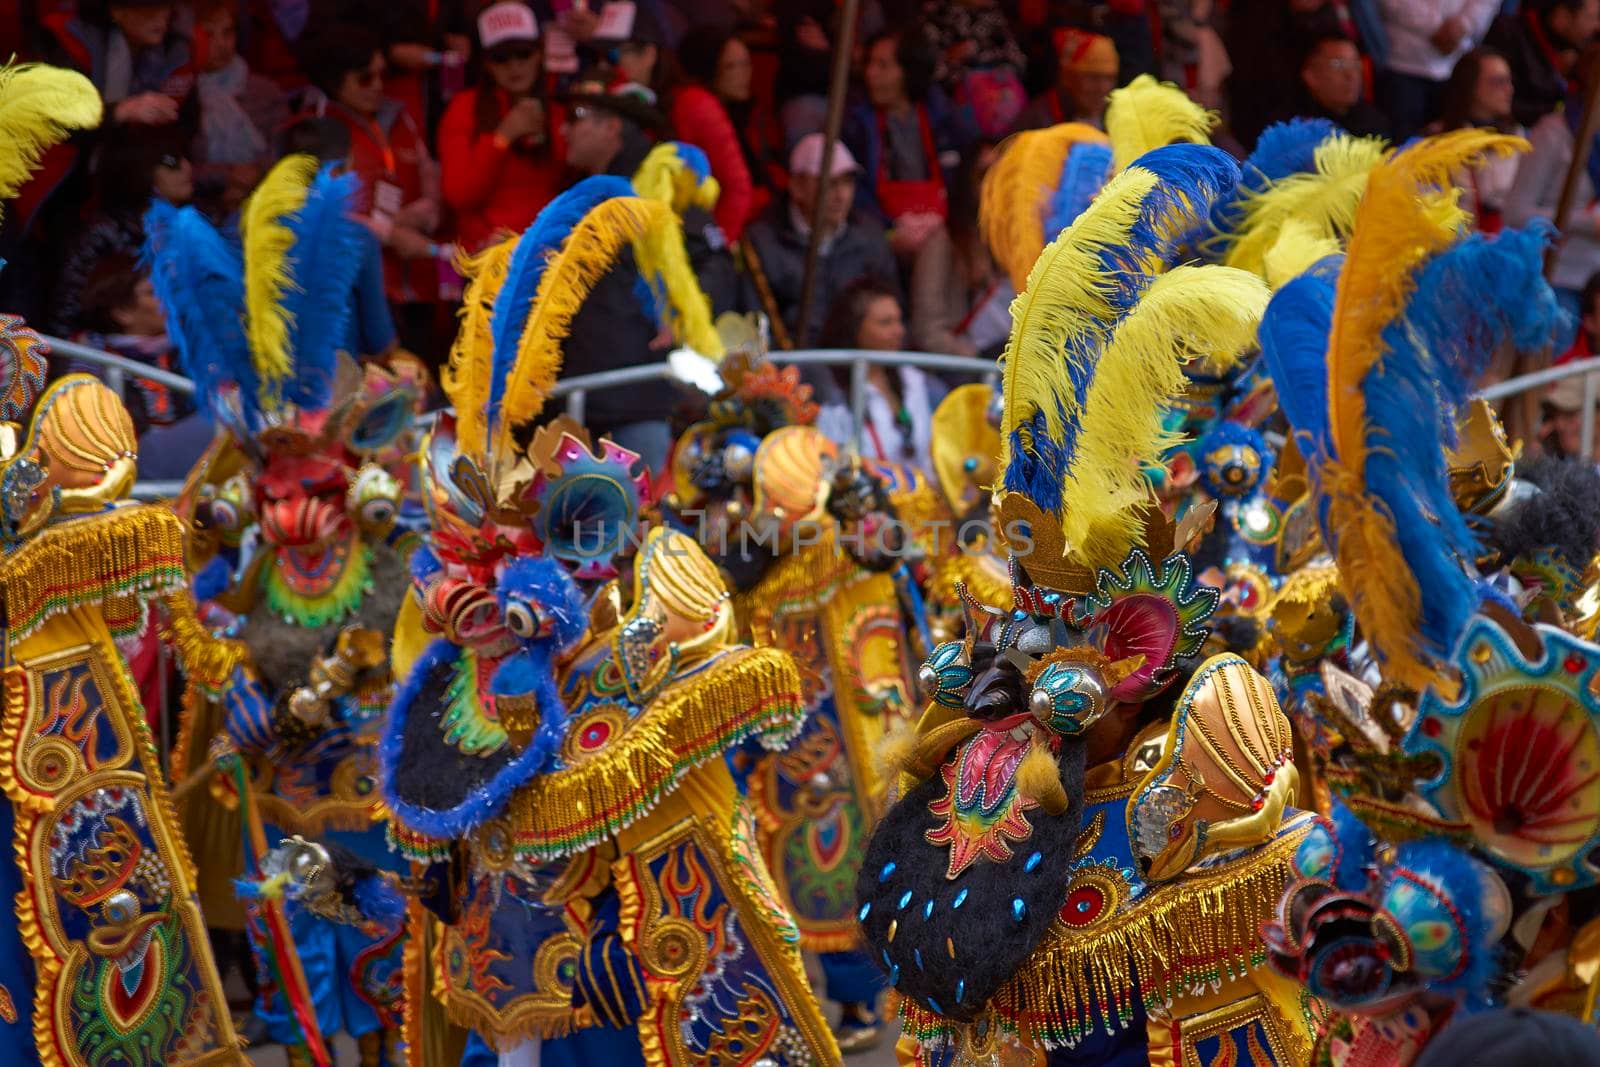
[[132, 167], [419, 38], [499, 148], [852, 245], [908, 138], [1086, 75], [1267, 40], [371, 324], [1587, 342], [960, 298], [641, 56], [1536, 193], [1542, 43], [709, 57], [399, 181], [1425, 38], [121, 314], [979, 61], [806, 31], [131, 51], [1479, 95], [1561, 432], [760, 137], [1331, 88], [900, 400], [240, 112], [607, 133]]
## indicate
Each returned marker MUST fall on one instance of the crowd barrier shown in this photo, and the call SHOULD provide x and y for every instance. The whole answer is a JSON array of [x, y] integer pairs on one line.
[[575, 390]]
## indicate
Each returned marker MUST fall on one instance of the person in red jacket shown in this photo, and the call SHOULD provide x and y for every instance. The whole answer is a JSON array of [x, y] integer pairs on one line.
[[499, 143], [700, 118], [399, 198]]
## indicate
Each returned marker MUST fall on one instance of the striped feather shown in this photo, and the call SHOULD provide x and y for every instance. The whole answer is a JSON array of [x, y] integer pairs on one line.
[[329, 245], [1016, 193], [268, 278]]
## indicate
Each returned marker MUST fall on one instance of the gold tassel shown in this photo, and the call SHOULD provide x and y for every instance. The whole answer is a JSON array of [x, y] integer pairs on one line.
[[743, 693], [130, 551]]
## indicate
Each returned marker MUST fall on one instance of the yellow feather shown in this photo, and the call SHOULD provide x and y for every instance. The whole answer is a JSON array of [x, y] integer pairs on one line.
[[1147, 114], [665, 177], [1065, 297], [1016, 192], [1323, 201], [466, 377], [661, 255], [1409, 213], [1298, 247], [1188, 313], [587, 253], [267, 242], [40, 106]]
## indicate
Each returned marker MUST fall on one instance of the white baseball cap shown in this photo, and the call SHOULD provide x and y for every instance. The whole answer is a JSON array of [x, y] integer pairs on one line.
[[509, 21], [807, 157]]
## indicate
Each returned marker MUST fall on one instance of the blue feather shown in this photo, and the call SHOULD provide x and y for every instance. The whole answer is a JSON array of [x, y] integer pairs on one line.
[[199, 279], [1083, 173], [323, 261], [1357, 848], [1469, 300], [1294, 345], [514, 302]]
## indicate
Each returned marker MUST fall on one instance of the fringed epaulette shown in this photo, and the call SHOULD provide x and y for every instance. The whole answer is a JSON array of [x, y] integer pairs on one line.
[[134, 551], [743, 693], [1201, 930], [208, 661]]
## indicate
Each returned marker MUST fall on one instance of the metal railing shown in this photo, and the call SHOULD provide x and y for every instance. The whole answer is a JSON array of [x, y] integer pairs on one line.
[[576, 389]]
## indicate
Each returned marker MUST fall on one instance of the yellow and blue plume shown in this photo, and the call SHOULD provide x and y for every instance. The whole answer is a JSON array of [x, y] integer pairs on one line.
[[302, 251], [40, 106], [1420, 309], [1099, 338], [679, 175], [1042, 180], [1147, 114]]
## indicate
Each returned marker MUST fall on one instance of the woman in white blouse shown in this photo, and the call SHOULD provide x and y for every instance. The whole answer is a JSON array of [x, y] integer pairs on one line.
[[900, 400]]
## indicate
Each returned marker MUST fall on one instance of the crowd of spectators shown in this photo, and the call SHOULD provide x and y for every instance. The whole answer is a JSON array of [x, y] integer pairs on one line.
[[463, 118]]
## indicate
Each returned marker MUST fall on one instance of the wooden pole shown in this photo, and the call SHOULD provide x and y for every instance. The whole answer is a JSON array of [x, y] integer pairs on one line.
[[837, 89], [1579, 163]]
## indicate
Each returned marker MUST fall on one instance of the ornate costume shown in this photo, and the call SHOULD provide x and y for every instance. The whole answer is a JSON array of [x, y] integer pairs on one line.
[[108, 961], [555, 758], [1020, 898], [306, 618]]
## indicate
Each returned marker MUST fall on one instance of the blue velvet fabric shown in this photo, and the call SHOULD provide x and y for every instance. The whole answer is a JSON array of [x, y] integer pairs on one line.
[[16, 967], [852, 978]]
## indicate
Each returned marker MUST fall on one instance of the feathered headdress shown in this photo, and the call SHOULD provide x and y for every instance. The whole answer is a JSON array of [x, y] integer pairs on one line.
[[1147, 114], [679, 175], [268, 317], [1316, 201], [522, 296], [1041, 182], [40, 106], [1418, 311], [1099, 339]]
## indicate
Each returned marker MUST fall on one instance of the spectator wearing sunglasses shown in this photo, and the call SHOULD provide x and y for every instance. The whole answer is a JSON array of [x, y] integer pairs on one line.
[[133, 167], [399, 199], [500, 150]]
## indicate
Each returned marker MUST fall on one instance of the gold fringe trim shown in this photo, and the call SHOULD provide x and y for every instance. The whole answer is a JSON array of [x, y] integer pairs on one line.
[[208, 661], [744, 692], [1197, 930], [130, 551]]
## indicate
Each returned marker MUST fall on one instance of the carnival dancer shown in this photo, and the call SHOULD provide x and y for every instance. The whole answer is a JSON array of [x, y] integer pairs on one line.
[[1446, 875], [261, 332], [1074, 866], [108, 959], [802, 530], [555, 759]]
